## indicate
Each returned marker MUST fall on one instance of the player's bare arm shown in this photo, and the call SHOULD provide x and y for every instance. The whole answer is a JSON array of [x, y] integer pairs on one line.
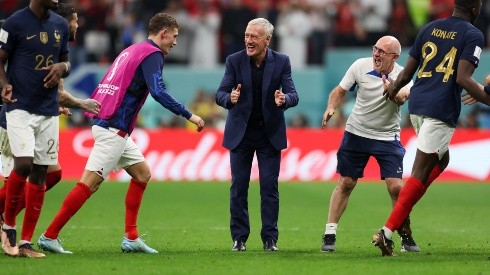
[[57, 71], [69, 101], [6, 87], [467, 99], [403, 79], [464, 79], [334, 100], [401, 96]]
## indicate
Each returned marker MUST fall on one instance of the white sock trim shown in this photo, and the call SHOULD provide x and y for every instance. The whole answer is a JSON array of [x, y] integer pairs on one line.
[[23, 242], [6, 226], [388, 232]]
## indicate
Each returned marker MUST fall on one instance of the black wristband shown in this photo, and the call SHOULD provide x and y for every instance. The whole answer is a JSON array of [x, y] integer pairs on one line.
[[487, 89]]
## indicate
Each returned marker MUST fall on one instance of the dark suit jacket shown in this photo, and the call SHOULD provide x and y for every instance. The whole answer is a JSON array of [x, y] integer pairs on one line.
[[277, 76]]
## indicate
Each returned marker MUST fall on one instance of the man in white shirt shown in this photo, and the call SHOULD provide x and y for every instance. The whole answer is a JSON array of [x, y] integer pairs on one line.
[[372, 129]]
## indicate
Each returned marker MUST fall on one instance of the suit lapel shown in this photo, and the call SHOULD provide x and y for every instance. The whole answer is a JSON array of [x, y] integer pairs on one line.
[[247, 78], [268, 70]]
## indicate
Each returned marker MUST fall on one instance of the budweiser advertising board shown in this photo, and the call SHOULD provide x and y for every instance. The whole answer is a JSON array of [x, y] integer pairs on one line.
[[185, 155]]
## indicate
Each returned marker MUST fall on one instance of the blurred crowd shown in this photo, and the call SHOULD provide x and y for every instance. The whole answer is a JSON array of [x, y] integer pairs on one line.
[[212, 29]]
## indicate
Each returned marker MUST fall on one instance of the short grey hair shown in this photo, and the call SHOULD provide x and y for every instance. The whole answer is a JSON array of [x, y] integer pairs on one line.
[[264, 23]]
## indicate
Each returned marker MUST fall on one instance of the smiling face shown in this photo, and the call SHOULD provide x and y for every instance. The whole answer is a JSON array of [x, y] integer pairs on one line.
[[163, 31], [385, 53], [168, 39], [256, 41]]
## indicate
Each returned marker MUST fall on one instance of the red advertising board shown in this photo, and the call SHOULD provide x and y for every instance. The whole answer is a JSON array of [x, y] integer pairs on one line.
[[179, 154]]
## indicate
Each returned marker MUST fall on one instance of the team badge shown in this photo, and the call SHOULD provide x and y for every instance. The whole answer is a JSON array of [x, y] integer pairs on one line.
[[57, 36], [44, 37]]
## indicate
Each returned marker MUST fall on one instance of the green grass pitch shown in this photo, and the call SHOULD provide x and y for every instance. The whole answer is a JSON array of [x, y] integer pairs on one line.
[[188, 224]]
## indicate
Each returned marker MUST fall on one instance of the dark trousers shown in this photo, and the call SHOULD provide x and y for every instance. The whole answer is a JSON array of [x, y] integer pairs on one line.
[[269, 160]]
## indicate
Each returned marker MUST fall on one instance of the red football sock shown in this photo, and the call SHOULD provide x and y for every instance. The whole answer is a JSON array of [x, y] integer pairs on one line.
[[34, 198], [22, 202], [410, 194], [72, 203], [133, 202], [3, 193], [14, 193], [52, 178]]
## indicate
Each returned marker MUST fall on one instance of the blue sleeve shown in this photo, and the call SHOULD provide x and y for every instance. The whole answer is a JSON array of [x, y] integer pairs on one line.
[[487, 89], [8, 35], [473, 46], [152, 67], [288, 87], [228, 83]]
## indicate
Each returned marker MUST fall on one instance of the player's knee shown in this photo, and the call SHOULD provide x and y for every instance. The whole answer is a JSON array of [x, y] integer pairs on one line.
[[394, 190], [23, 167], [444, 161], [94, 187], [346, 184], [394, 186], [144, 177]]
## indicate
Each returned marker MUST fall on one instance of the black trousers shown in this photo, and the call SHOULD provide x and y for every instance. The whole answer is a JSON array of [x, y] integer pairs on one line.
[[269, 161]]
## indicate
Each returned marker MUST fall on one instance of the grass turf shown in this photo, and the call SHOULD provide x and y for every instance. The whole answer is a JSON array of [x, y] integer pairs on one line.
[[188, 224]]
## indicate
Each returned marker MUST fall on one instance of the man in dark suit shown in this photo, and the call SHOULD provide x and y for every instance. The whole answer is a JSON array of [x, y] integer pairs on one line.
[[255, 124]]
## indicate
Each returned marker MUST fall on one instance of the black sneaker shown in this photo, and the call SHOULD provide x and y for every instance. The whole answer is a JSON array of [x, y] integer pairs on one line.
[[405, 232], [328, 243], [270, 245], [384, 244], [239, 245], [408, 244]]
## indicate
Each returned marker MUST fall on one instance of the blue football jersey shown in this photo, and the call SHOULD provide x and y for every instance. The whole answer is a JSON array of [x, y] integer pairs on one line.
[[439, 47], [33, 44]]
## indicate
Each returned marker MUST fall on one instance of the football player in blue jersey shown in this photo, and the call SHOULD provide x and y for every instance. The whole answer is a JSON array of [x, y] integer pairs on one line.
[[444, 56], [34, 43], [66, 100]]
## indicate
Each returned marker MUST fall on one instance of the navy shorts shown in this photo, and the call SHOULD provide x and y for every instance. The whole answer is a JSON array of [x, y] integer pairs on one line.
[[354, 153]]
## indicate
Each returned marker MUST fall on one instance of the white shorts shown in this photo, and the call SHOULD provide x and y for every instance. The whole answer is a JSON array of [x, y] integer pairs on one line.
[[112, 152], [32, 135], [433, 135], [7, 157]]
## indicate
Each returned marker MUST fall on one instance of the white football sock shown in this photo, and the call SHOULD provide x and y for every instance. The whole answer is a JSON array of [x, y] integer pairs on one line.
[[331, 228]]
